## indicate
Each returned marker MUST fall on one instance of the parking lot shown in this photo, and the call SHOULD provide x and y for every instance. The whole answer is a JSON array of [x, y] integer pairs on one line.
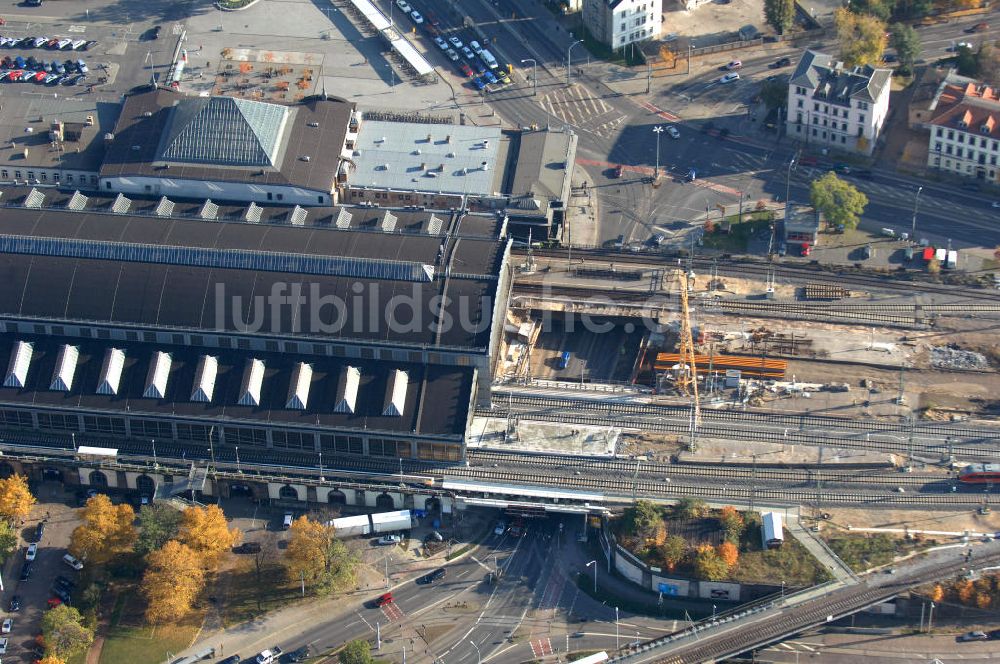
[[56, 508]]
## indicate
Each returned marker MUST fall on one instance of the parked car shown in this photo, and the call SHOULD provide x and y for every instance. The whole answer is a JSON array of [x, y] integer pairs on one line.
[[441, 43], [475, 46], [81, 67], [500, 528], [734, 64], [478, 84], [672, 131], [404, 5], [618, 171], [232, 659], [31, 552], [64, 583], [455, 41], [729, 78], [303, 653], [62, 595], [247, 548], [387, 540], [692, 175], [452, 55], [3, 646], [40, 528], [416, 18], [73, 562], [89, 45], [488, 75], [15, 604], [968, 636], [8, 625]]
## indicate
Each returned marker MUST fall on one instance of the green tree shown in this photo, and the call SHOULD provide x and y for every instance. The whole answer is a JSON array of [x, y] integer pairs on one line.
[[642, 518], [774, 94], [906, 41], [731, 522], [709, 565], [158, 524], [914, 8], [64, 632], [356, 652], [8, 539], [779, 14], [690, 508], [880, 9], [838, 201], [988, 64], [862, 38], [315, 555], [672, 552]]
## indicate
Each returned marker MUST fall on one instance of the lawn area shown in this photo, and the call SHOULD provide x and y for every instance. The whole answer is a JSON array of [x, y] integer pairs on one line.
[[629, 56], [248, 596], [739, 234], [128, 640], [863, 552]]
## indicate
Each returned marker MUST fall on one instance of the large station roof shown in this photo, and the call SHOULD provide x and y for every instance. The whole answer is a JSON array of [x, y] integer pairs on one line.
[[432, 400], [356, 285], [165, 134]]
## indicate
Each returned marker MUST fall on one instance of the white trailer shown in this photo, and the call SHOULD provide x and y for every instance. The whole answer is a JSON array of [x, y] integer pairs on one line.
[[952, 261], [772, 531], [390, 522], [351, 526]]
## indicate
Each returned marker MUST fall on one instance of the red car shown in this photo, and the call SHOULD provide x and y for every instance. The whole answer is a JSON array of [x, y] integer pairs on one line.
[[467, 70], [806, 249], [618, 171], [383, 600], [40, 76]]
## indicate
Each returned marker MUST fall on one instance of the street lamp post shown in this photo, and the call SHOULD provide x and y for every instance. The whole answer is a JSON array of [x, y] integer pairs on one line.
[[913, 225], [155, 464], [569, 52], [321, 478], [788, 183], [238, 459], [617, 645], [211, 444], [594, 563], [658, 129], [534, 75], [479, 655]]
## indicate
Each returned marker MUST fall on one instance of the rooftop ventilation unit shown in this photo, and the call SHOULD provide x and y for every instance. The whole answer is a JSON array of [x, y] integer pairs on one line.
[[17, 368], [297, 217], [253, 380], [253, 213], [343, 219], [395, 393], [164, 208], [209, 210], [111, 371], [121, 204], [62, 376], [77, 202], [204, 379], [388, 222], [34, 199], [347, 390], [434, 225], [156, 379], [298, 389]]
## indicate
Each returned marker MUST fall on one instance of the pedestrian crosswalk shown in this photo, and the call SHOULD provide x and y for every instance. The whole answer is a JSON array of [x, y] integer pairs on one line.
[[578, 106], [392, 612], [541, 647]]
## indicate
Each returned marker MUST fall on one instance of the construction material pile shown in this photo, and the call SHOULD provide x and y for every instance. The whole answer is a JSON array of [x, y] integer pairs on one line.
[[944, 357]]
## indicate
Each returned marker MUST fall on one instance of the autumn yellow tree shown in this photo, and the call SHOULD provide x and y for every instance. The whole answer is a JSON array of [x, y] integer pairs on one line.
[[965, 591], [107, 530], [672, 551], [174, 577], [317, 557], [937, 593], [708, 564], [205, 531], [51, 659], [729, 553], [862, 37], [16, 500]]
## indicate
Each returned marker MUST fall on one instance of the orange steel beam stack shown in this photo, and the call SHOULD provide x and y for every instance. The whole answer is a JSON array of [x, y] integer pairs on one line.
[[753, 366]]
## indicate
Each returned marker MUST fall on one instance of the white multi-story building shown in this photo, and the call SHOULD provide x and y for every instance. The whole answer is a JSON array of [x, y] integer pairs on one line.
[[965, 129], [619, 23], [836, 106]]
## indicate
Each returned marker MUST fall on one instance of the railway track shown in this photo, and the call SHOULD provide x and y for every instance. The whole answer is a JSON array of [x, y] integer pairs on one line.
[[626, 489], [741, 268], [738, 473], [792, 423]]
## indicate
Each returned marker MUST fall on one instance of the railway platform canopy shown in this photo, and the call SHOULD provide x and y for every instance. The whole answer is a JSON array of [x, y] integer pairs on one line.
[[374, 16]]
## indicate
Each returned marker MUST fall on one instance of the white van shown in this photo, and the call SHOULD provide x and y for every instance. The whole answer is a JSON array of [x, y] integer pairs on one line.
[[287, 523], [73, 562], [488, 58]]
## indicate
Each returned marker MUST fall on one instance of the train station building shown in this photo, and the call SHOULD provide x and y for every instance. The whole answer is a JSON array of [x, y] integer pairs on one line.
[[349, 332]]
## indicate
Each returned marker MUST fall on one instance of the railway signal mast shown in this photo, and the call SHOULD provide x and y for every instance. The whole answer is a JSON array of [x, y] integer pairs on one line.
[[687, 378]]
